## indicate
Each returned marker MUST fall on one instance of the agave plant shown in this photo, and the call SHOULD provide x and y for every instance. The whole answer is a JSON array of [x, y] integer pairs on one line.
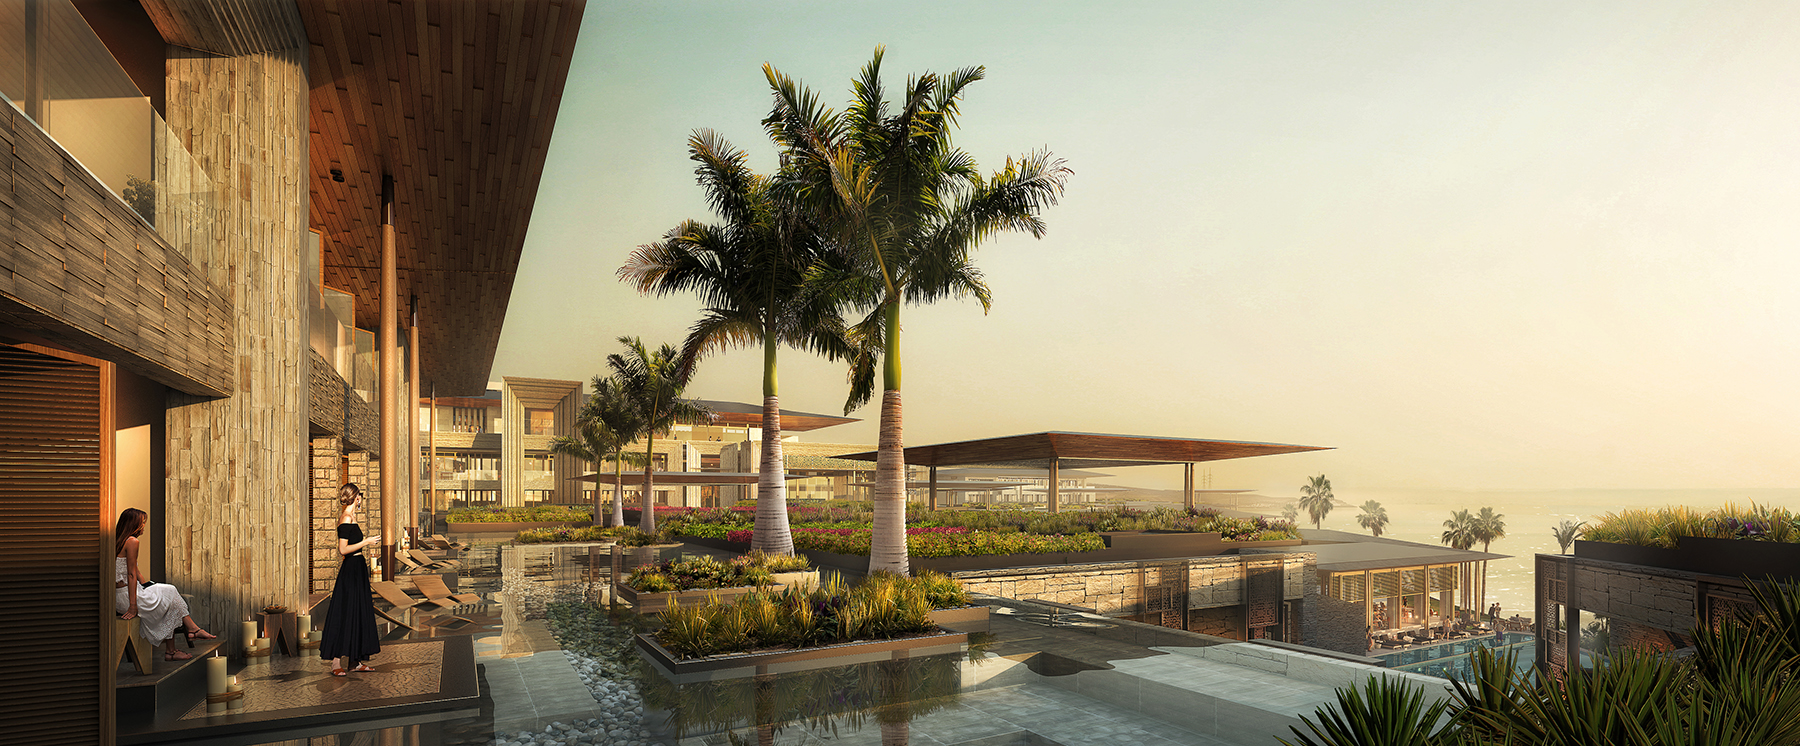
[[1385, 712]]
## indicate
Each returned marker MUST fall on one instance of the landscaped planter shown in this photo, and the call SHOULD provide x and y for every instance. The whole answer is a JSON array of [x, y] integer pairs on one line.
[[1734, 558], [657, 603], [962, 619], [1125, 546], [785, 661], [510, 528]]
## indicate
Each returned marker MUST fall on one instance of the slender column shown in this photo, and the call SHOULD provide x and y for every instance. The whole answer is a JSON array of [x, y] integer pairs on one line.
[[931, 499], [1055, 465], [412, 419], [390, 379], [1187, 485], [431, 470]]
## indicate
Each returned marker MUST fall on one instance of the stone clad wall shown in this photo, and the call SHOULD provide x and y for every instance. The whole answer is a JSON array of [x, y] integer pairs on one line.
[[1116, 588], [1664, 599]]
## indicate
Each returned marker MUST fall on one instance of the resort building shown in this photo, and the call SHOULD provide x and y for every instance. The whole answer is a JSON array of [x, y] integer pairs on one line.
[[1375, 589], [237, 242]]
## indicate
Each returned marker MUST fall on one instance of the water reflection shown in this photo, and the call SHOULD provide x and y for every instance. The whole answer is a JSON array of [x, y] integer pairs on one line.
[[757, 709]]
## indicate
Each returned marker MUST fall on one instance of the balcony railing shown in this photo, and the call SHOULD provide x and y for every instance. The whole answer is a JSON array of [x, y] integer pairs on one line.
[[61, 77]]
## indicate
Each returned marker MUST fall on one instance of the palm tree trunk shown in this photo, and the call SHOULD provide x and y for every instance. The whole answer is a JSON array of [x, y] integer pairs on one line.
[[647, 521], [618, 511], [772, 535], [599, 518], [887, 540]]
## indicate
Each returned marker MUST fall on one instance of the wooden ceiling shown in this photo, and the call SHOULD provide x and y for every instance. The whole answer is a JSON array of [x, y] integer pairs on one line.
[[456, 100], [1084, 451], [740, 414]]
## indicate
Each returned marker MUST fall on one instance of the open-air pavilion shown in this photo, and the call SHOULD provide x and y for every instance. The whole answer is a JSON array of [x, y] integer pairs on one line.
[[1394, 581], [1052, 451]]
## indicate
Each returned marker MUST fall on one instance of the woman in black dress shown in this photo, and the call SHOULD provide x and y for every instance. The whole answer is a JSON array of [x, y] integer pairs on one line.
[[350, 636]]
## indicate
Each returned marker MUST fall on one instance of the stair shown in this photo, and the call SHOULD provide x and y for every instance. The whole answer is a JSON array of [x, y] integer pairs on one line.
[[172, 685]]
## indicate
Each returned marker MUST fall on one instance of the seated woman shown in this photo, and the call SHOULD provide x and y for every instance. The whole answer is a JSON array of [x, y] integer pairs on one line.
[[159, 606]]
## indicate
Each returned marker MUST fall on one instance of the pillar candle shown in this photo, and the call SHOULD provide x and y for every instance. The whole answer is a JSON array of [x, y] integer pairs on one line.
[[215, 675], [236, 704], [305, 624], [249, 635]]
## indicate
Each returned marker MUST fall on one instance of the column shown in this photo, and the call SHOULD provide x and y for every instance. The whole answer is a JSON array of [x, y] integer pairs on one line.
[[931, 496], [1187, 485], [390, 382], [1055, 467]]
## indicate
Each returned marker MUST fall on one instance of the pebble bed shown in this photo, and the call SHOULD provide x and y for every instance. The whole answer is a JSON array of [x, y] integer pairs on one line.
[[601, 653]]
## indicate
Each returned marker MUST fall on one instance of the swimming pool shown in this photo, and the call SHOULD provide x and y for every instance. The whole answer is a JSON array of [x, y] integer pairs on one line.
[[1451, 660]]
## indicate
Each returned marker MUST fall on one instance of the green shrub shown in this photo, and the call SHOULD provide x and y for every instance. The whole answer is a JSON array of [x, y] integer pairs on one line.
[[702, 573], [535, 514], [1664, 527], [884, 606], [586, 533]]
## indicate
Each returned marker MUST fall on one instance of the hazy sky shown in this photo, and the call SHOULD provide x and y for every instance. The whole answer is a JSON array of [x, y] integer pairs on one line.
[[1507, 245]]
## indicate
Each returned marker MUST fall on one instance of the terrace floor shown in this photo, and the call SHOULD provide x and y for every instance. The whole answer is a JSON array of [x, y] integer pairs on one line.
[[1097, 682]]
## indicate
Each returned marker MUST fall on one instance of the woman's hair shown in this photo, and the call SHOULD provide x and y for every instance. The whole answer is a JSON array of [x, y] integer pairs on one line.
[[129, 522], [348, 493]]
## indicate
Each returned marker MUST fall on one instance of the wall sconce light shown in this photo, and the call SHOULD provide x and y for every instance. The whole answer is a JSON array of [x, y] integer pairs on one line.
[[337, 176]]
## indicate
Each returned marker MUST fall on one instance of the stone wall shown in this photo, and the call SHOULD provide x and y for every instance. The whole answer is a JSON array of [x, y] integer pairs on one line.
[[1223, 621], [330, 396], [327, 466], [1665, 599], [1117, 588]]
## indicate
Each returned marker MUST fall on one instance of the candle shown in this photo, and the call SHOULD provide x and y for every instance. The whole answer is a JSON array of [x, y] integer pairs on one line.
[[215, 675], [304, 624], [238, 703], [249, 635]]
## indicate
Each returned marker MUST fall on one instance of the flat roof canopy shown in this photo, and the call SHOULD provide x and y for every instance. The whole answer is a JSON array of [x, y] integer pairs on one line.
[[678, 478], [1084, 451], [944, 485], [741, 414], [1342, 551]]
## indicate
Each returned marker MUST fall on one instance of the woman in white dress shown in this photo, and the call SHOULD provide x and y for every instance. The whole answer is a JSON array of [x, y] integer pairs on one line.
[[159, 606]]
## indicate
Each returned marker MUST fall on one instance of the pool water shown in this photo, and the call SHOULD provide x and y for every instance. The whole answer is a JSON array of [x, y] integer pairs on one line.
[[1451, 660]]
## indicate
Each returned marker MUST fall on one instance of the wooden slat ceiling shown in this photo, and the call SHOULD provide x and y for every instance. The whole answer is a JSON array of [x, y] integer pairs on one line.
[[456, 100], [1084, 451]]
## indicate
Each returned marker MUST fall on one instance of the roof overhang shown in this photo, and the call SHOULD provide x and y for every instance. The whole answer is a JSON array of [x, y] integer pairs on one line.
[[1084, 451], [456, 101], [681, 478], [740, 414]]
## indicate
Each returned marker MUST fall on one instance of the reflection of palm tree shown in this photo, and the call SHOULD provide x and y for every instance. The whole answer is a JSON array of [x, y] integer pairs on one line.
[[1374, 517], [1315, 498], [652, 383], [908, 208], [750, 272], [1566, 533], [604, 427]]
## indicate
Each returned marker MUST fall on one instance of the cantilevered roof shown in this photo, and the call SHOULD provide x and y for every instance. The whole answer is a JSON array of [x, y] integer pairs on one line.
[[677, 478], [1084, 451], [977, 471], [1342, 551], [750, 415], [456, 100], [954, 485]]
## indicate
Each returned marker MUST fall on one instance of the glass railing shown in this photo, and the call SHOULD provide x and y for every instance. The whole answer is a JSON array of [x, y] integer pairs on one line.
[[60, 76], [364, 366]]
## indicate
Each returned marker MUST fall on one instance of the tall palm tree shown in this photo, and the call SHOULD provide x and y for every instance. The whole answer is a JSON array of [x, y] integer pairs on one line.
[[906, 208], [1459, 533], [1315, 498], [1566, 533], [652, 383], [604, 428], [750, 273], [1373, 517], [1489, 526]]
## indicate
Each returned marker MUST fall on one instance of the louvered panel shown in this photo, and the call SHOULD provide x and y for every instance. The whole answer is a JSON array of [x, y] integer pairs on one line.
[[51, 494], [1387, 584], [1443, 578]]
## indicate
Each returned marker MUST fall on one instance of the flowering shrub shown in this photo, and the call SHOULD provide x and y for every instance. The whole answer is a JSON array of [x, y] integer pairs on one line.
[[746, 535], [698, 573], [939, 544], [535, 514], [1664, 527]]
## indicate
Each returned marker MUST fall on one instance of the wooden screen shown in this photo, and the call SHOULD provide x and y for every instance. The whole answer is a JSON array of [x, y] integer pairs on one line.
[[55, 549]]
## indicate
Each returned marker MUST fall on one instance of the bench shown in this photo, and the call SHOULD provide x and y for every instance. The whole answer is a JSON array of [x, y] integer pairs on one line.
[[127, 641]]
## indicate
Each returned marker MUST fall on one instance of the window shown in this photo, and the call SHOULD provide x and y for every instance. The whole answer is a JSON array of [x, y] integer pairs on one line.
[[466, 420], [540, 421]]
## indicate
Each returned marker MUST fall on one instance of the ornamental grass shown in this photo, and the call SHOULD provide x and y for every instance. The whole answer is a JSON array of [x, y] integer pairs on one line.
[[534, 514], [702, 573], [883, 606], [1664, 527]]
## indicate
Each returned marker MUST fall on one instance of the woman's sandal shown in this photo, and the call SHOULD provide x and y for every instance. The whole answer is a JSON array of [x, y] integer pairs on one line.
[[363, 668], [200, 634], [339, 672], [176, 656]]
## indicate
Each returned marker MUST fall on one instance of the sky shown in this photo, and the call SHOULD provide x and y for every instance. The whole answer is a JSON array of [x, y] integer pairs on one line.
[[1527, 245]]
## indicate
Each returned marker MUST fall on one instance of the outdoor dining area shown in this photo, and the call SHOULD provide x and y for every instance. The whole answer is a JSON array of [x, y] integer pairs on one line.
[[1409, 593]]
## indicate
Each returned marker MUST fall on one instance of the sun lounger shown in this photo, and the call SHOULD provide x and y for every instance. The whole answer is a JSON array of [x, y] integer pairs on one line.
[[409, 567], [438, 540], [395, 620], [429, 563], [396, 597], [434, 589]]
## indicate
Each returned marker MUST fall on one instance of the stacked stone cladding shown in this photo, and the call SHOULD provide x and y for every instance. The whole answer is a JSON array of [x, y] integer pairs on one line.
[[329, 396], [1116, 588], [1655, 597]]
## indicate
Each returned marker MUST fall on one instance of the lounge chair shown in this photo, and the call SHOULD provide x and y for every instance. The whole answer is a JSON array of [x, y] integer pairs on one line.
[[429, 563], [437, 591], [438, 540], [396, 597]]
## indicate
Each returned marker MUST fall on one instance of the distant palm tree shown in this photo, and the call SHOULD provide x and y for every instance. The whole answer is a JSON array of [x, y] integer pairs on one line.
[[1489, 526], [652, 383], [750, 273], [1315, 498], [1459, 533], [907, 208], [1291, 512], [1566, 533], [1374, 517], [604, 427]]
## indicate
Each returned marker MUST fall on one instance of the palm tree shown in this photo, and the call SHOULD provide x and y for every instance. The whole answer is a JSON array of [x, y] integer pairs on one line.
[[1291, 512], [1459, 533], [604, 427], [1374, 517], [1566, 533], [750, 273], [1315, 498], [1488, 527], [906, 208], [652, 383]]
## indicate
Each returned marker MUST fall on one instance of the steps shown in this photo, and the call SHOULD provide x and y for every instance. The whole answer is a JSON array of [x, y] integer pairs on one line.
[[171, 685]]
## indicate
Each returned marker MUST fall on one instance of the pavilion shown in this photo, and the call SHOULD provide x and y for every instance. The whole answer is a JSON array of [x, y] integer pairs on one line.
[[1054, 450]]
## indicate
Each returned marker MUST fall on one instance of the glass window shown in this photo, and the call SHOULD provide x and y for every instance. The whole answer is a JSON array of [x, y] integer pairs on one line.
[[540, 421]]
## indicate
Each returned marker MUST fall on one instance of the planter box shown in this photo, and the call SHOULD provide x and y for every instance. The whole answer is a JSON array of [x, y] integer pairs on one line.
[[1122, 546], [739, 665], [510, 528], [657, 603], [962, 619], [1733, 558]]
